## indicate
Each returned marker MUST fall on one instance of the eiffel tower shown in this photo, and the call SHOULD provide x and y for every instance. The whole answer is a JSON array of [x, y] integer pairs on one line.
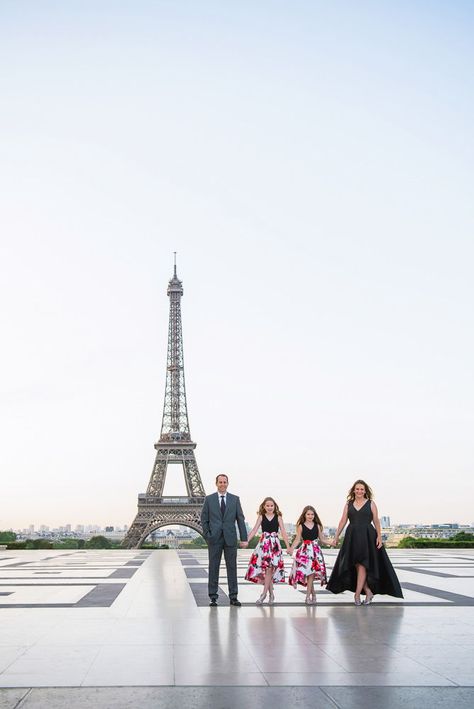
[[175, 446]]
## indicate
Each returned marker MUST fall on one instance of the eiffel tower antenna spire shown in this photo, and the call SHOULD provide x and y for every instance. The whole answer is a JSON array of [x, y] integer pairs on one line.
[[175, 423], [174, 446]]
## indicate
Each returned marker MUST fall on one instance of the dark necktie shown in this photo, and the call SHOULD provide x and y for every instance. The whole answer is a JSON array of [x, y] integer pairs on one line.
[[222, 505]]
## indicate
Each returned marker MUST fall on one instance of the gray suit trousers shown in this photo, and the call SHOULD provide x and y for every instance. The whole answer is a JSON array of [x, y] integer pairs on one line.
[[215, 555]]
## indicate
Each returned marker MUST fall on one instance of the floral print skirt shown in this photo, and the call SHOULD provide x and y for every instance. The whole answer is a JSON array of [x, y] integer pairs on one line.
[[266, 554], [308, 560]]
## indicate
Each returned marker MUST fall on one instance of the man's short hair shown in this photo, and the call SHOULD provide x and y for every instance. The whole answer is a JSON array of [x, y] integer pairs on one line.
[[222, 475]]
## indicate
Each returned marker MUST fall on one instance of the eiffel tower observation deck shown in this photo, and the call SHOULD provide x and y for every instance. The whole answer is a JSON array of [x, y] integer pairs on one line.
[[175, 446]]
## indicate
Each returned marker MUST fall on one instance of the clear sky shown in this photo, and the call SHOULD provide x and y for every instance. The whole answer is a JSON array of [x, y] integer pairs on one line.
[[312, 165]]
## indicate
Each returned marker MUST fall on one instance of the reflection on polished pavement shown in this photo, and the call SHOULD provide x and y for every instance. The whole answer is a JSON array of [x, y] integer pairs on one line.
[[100, 620]]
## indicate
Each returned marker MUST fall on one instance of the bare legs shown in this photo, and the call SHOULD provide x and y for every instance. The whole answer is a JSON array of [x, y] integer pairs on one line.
[[362, 585], [368, 594], [267, 587], [310, 592]]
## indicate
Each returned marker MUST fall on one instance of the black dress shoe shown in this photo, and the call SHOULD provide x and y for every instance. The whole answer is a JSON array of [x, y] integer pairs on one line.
[[235, 602], [213, 602]]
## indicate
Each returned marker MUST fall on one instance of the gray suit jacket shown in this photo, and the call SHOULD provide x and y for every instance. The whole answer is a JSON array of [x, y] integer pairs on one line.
[[214, 525]]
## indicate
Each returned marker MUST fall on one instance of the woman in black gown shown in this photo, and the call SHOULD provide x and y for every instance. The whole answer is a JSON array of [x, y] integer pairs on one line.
[[362, 564]]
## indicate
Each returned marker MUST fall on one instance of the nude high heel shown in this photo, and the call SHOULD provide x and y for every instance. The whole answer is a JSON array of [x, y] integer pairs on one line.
[[271, 598], [261, 599]]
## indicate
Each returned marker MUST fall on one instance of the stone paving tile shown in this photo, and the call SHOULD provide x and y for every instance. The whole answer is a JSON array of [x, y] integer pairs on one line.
[[158, 630], [220, 679], [230, 697], [8, 655], [137, 665], [357, 679], [41, 666], [396, 697], [10, 698]]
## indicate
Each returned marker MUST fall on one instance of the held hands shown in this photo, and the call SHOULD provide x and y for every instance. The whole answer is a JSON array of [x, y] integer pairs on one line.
[[244, 545]]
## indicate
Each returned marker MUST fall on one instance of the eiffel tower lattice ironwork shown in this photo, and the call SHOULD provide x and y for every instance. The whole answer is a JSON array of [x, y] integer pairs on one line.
[[174, 447]]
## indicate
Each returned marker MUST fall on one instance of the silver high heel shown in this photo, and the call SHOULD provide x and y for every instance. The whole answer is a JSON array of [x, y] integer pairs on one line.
[[357, 601], [368, 600], [261, 599], [271, 598]]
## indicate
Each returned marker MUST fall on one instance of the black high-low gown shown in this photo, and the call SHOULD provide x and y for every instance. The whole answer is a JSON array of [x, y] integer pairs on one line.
[[359, 547]]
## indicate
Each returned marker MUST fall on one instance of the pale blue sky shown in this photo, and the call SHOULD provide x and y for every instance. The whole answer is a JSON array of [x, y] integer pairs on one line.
[[311, 162]]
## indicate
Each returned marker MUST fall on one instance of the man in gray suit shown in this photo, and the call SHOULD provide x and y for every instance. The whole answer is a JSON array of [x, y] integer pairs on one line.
[[220, 512]]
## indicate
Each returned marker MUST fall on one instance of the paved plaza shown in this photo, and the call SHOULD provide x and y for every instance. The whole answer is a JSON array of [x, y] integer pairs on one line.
[[133, 628]]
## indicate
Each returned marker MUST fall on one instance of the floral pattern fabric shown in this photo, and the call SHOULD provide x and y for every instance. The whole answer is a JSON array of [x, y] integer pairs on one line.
[[308, 560], [266, 554]]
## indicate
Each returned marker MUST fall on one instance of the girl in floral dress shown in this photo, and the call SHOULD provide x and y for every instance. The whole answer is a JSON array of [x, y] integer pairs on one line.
[[266, 563], [308, 564]]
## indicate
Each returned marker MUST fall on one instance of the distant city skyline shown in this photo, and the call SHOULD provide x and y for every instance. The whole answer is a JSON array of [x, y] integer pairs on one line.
[[311, 163], [74, 527]]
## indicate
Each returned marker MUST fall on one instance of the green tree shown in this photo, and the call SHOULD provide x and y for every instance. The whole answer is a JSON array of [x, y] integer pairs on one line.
[[463, 537], [98, 542], [6, 537], [198, 543], [66, 544], [407, 543], [38, 544]]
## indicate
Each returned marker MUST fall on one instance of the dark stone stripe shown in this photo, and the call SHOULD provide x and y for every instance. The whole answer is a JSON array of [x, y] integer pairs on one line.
[[455, 598], [201, 596], [224, 602], [37, 605], [92, 579], [46, 572], [18, 563], [49, 585], [417, 570], [123, 573], [76, 565], [196, 573], [103, 595]]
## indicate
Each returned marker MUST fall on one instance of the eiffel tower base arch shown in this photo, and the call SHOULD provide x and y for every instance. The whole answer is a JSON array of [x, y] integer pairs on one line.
[[153, 514]]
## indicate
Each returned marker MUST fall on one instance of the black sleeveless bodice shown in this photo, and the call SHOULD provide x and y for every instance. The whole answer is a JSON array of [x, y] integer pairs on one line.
[[362, 516], [270, 525], [309, 534]]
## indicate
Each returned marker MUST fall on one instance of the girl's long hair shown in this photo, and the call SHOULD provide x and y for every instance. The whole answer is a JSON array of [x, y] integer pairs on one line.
[[302, 516], [368, 492], [261, 510]]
